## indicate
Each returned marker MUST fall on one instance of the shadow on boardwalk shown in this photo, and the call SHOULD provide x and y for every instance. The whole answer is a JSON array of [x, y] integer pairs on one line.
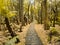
[[32, 37]]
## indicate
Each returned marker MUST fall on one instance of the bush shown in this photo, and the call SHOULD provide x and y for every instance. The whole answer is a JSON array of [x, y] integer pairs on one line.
[[53, 31], [49, 39]]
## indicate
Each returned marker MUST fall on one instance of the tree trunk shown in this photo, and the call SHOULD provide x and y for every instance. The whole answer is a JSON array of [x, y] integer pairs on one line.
[[28, 14], [31, 13], [20, 10], [55, 15], [13, 34], [21, 14], [9, 28], [54, 21], [38, 16], [46, 23], [41, 12]]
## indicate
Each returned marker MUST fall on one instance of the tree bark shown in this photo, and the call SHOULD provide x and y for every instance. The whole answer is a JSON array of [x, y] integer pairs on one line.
[[13, 34], [39, 16], [31, 13], [21, 16], [28, 13], [46, 23], [21, 12], [9, 28], [55, 15], [41, 11]]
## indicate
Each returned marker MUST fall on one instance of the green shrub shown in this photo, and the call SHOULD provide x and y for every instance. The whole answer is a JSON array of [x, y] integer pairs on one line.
[[49, 39], [53, 31]]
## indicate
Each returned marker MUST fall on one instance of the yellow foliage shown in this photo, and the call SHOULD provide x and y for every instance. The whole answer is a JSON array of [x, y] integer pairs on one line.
[[4, 4], [11, 14]]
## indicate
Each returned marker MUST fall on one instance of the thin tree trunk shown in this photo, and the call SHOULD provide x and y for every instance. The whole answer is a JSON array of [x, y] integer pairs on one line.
[[55, 16], [28, 14], [54, 21], [41, 12], [38, 16], [31, 13]]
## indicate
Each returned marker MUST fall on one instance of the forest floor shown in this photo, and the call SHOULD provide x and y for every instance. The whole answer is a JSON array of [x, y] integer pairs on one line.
[[22, 35], [43, 34]]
